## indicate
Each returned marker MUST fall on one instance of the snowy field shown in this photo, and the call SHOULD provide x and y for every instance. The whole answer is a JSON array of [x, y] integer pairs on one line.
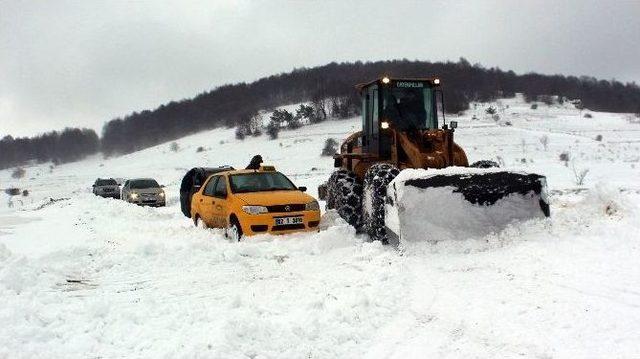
[[86, 277]]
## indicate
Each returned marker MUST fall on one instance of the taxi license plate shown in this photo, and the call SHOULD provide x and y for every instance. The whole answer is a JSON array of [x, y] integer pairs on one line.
[[288, 220]]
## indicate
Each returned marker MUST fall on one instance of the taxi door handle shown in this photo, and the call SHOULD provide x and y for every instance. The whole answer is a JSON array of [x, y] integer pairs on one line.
[[213, 202], [200, 199]]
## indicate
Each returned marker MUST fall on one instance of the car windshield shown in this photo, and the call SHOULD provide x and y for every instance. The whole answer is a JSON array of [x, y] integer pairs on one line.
[[146, 183], [106, 182], [410, 107], [260, 181]]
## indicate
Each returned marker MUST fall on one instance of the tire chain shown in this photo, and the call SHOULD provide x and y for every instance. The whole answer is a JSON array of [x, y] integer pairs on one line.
[[376, 181]]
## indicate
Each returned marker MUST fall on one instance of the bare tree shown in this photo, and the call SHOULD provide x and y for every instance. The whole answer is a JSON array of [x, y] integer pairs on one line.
[[579, 175], [544, 140]]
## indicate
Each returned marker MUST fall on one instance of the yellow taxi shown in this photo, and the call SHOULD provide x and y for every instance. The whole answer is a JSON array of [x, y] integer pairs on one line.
[[249, 202]]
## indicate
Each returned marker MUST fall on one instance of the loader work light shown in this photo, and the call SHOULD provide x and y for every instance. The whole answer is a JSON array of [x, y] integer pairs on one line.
[[436, 81], [384, 125], [385, 80]]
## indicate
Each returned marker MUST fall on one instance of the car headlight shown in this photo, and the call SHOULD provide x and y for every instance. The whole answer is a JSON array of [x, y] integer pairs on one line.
[[133, 195], [161, 194], [312, 206], [255, 209]]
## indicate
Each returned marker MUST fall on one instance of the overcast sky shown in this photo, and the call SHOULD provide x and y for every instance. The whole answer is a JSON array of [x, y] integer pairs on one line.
[[81, 63]]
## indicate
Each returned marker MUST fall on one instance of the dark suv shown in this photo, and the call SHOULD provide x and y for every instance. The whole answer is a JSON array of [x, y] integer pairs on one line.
[[106, 187]]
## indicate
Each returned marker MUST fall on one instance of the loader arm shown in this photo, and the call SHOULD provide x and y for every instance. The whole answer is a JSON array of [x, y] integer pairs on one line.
[[440, 150]]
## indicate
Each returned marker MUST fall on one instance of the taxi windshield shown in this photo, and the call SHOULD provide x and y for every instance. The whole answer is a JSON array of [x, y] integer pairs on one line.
[[259, 182]]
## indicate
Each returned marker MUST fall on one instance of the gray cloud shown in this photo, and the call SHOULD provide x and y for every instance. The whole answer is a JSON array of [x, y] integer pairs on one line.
[[80, 63]]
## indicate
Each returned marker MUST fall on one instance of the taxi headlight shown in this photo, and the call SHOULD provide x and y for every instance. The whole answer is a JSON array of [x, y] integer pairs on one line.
[[254, 209], [312, 206]]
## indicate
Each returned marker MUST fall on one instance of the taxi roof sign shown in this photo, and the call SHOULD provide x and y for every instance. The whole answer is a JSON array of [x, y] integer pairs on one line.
[[264, 168]]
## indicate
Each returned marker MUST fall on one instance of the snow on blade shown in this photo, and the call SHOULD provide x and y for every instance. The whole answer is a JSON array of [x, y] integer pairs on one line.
[[461, 203]]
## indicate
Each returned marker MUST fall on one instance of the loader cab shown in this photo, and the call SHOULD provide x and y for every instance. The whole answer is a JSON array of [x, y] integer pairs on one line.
[[403, 104]]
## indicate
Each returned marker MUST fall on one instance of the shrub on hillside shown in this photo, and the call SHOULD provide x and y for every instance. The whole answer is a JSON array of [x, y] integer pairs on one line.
[[598, 138], [491, 110], [564, 157], [305, 112], [273, 129], [19, 172], [588, 115], [281, 117], [174, 147], [12, 191], [241, 132], [546, 99], [294, 123], [319, 105], [534, 106], [330, 147]]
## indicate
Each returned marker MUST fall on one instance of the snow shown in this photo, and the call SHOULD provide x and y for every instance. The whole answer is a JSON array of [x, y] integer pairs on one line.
[[83, 276], [442, 214]]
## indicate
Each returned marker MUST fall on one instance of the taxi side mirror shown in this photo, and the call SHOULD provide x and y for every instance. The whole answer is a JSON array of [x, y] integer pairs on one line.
[[303, 189]]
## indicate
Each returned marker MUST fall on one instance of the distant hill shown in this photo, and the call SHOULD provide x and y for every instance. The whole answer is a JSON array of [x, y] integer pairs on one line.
[[230, 105]]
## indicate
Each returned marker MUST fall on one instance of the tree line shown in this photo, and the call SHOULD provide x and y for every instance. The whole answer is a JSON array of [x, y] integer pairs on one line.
[[69, 145], [330, 91], [333, 84]]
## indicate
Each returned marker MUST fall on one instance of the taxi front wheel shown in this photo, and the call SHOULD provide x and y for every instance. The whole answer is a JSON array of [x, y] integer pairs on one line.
[[234, 231]]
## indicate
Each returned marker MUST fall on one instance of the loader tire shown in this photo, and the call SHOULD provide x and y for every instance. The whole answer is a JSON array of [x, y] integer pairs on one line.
[[344, 194], [376, 181], [331, 185], [485, 164]]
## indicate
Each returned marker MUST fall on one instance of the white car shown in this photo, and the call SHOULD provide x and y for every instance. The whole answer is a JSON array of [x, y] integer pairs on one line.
[[144, 192]]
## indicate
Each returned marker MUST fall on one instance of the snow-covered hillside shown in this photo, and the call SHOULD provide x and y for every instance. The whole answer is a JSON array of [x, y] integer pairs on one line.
[[83, 276]]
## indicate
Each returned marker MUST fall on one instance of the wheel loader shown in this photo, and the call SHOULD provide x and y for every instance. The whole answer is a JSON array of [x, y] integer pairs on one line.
[[403, 128]]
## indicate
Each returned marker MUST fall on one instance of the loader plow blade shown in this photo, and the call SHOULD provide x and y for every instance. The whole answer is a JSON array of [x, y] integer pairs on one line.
[[461, 203]]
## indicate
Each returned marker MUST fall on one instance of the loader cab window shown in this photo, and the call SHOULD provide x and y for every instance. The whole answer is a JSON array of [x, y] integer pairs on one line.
[[370, 121], [410, 105]]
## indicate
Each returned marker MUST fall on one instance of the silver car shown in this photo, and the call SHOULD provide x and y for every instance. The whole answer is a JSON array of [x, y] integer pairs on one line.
[[106, 187], [144, 192]]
